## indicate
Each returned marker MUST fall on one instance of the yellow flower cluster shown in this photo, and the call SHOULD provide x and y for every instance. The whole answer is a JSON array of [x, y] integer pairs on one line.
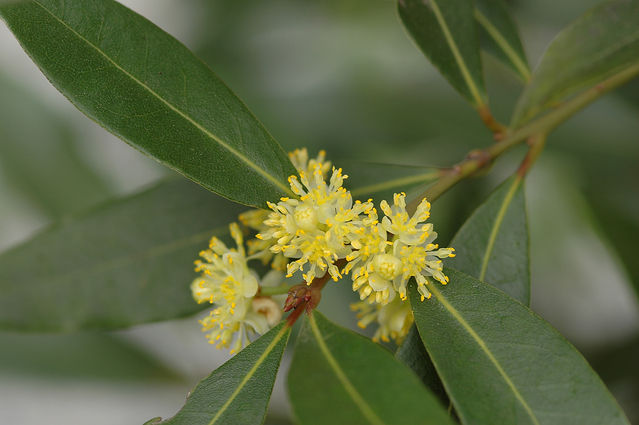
[[321, 231], [325, 225], [229, 285]]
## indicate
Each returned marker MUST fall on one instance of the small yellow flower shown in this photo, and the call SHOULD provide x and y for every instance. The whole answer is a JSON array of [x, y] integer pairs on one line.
[[228, 284], [258, 248], [397, 221], [299, 158], [388, 265], [394, 319], [318, 228]]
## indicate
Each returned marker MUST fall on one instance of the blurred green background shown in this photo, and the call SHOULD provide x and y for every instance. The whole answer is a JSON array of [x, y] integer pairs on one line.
[[344, 77]]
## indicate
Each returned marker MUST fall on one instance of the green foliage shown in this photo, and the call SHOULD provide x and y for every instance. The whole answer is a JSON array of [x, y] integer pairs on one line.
[[335, 378], [121, 264], [475, 333], [239, 390], [476, 354], [446, 32], [600, 44], [493, 245], [499, 36], [148, 89]]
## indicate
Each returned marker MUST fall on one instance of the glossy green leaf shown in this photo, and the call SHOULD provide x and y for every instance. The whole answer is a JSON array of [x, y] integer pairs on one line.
[[340, 377], [601, 43], [499, 36], [493, 245], [124, 263], [145, 87], [446, 32], [502, 364], [237, 392], [379, 181]]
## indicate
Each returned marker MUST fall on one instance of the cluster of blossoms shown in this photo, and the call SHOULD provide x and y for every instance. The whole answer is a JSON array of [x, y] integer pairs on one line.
[[325, 231], [228, 284]]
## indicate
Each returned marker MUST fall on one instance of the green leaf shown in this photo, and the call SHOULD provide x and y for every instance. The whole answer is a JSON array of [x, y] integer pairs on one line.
[[414, 355], [503, 364], [87, 355], [145, 87], [493, 245], [499, 36], [379, 181], [445, 31], [238, 391], [42, 160], [125, 263], [340, 377], [601, 43]]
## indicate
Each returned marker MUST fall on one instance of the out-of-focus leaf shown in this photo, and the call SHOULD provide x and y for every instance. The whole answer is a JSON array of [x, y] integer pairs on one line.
[[446, 32], [499, 36], [145, 87], [238, 391], [601, 43], [619, 369], [414, 355], [379, 181], [493, 245], [502, 364], [340, 377], [84, 355], [38, 156], [124, 263]]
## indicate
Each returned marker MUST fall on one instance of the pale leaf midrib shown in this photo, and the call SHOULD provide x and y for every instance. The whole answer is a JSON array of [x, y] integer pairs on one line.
[[456, 54], [359, 401], [250, 373], [497, 225], [232, 150], [487, 351], [503, 44]]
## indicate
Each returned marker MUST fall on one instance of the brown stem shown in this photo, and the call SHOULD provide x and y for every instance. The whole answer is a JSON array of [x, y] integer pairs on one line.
[[498, 129], [537, 143], [307, 295]]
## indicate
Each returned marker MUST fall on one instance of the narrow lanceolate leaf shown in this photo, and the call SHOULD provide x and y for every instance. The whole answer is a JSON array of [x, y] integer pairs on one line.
[[499, 36], [145, 87], [238, 391], [122, 264], [601, 43], [503, 364], [493, 245], [340, 377], [445, 31], [379, 181]]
